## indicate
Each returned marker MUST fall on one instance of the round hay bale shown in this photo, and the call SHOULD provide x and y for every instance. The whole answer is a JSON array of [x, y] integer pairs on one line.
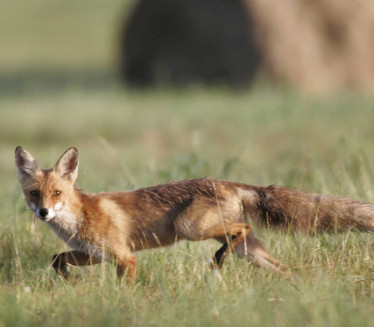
[[317, 45], [179, 42]]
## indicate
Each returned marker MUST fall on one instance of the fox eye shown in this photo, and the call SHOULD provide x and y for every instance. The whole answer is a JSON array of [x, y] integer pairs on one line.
[[34, 193], [57, 193]]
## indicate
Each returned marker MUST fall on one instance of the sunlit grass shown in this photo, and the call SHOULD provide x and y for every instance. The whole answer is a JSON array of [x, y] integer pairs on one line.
[[129, 140]]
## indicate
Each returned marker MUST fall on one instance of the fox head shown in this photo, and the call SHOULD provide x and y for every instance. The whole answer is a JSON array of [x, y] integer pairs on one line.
[[47, 190]]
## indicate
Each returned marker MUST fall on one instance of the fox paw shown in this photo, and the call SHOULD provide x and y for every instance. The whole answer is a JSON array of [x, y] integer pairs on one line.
[[59, 266]]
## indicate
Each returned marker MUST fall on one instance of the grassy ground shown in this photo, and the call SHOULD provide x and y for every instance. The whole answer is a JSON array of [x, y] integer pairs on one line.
[[58, 90], [129, 140]]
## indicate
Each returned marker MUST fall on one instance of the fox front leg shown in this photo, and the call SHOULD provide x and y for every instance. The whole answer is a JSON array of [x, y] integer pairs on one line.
[[59, 265], [73, 258], [126, 267]]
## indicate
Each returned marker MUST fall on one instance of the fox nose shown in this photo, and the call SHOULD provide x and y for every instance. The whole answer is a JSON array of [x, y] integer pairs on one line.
[[43, 212]]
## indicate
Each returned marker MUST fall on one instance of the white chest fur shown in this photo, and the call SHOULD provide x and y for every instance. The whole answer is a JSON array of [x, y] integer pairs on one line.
[[67, 227]]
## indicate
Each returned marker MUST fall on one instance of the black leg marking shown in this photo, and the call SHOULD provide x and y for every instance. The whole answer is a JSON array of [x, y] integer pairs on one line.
[[222, 253], [59, 265]]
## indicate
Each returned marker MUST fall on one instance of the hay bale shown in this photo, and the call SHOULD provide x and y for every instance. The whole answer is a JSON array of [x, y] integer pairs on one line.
[[317, 45], [177, 42]]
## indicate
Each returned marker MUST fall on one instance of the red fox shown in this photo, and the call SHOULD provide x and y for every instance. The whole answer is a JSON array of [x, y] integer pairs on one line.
[[112, 226]]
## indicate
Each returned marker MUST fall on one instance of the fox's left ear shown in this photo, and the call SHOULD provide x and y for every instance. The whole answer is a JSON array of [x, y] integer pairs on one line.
[[67, 165]]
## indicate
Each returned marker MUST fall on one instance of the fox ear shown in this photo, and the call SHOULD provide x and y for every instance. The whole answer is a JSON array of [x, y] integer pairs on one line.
[[25, 163], [67, 165]]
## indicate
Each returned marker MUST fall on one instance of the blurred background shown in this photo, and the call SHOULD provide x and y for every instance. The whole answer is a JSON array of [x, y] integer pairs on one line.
[[311, 45], [151, 91]]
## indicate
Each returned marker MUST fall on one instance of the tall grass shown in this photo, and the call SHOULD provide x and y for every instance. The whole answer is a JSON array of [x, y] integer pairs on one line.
[[129, 140]]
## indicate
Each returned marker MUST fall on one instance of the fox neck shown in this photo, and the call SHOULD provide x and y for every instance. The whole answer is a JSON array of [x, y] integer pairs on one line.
[[68, 220], [65, 220], [69, 225]]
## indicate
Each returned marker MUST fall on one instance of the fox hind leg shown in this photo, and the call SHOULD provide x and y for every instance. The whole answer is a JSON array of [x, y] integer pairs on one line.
[[251, 249], [237, 233], [196, 224]]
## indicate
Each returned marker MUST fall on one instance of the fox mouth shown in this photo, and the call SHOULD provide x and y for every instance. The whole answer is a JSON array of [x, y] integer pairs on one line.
[[48, 217], [44, 214], [44, 218]]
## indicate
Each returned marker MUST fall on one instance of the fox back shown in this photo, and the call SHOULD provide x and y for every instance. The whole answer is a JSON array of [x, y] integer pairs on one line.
[[111, 226]]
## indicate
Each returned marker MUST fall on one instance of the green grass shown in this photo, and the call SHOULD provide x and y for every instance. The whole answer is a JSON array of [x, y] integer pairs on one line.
[[128, 140], [60, 35]]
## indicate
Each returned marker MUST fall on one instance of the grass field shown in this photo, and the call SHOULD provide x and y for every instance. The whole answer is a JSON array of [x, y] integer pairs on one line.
[[128, 140]]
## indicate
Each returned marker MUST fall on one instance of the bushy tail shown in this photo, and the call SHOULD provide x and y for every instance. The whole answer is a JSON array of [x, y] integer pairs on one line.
[[293, 210]]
